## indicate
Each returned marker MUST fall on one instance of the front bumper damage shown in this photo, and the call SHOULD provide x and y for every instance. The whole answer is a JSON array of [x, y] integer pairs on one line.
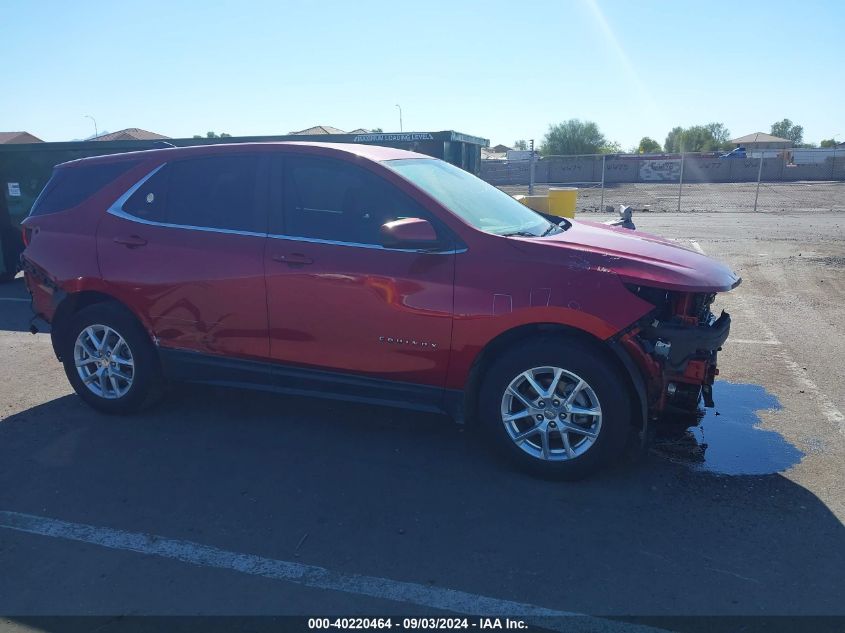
[[676, 350]]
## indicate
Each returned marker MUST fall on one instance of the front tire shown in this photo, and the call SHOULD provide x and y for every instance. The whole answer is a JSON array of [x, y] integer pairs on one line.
[[556, 407], [109, 359]]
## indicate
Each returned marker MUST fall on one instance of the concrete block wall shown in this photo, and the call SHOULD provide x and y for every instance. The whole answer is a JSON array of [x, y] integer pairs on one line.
[[697, 169]]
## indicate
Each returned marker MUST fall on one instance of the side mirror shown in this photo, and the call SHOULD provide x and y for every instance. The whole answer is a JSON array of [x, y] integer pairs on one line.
[[409, 233]]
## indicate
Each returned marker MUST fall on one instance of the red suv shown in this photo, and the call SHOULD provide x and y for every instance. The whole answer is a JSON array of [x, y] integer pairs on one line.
[[368, 274]]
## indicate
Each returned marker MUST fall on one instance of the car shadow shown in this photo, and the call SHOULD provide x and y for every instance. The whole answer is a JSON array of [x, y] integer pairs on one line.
[[15, 310], [407, 496]]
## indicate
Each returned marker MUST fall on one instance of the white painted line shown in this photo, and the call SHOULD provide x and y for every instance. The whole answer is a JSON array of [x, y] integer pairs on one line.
[[21, 299], [307, 575], [697, 246], [750, 341], [828, 409]]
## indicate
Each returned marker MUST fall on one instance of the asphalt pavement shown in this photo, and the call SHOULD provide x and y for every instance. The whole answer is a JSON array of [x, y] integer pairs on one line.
[[225, 502]]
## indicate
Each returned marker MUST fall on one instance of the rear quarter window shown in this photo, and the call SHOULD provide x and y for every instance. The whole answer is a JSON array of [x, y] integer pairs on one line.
[[70, 186], [216, 192]]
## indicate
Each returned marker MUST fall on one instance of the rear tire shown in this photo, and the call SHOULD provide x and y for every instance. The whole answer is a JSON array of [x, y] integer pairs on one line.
[[109, 359], [573, 420]]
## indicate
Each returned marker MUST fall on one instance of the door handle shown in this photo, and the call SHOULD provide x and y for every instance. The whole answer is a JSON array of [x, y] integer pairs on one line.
[[293, 259], [131, 241]]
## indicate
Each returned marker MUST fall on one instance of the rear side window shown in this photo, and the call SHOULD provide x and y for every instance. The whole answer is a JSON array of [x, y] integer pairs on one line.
[[69, 186], [217, 192]]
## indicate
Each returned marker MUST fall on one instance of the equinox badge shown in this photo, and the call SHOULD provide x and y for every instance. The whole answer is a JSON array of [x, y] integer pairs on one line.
[[406, 341]]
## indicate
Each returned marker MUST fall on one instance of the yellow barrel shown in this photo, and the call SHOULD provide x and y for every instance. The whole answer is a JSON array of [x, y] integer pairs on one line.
[[562, 201], [537, 203]]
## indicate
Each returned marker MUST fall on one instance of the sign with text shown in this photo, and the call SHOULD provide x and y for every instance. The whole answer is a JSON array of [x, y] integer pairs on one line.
[[403, 138]]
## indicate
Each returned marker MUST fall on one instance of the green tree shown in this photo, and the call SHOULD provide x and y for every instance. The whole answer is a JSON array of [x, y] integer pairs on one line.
[[828, 142], [720, 134], [573, 137], [521, 144], [376, 130], [788, 130], [698, 138], [673, 139], [213, 135], [648, 146], [610, 147]]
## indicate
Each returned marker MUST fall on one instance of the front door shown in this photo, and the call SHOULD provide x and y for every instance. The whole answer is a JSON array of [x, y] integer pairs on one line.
[[337, 300], [185, 249]]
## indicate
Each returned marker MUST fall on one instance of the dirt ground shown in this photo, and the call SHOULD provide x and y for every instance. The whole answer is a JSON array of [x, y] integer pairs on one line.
[[741, 515], [796, 197]]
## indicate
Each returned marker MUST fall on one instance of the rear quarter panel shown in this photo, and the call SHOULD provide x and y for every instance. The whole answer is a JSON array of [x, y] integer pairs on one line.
[[62, 253]]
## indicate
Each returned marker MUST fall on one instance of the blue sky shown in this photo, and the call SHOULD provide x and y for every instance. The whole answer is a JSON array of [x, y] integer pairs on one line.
[[498, 69]]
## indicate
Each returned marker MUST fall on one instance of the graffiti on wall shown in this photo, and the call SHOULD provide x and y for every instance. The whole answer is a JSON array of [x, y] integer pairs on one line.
[[660, 170]]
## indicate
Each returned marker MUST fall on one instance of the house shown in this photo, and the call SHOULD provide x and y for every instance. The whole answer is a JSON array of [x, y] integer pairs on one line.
[[318, 129], [761, 140], [129, 134], [328, 129], [14, 138], [490, 153]]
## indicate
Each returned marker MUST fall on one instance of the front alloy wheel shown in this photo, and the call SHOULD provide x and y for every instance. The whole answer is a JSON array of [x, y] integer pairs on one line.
[[551, 413], [557, 406]]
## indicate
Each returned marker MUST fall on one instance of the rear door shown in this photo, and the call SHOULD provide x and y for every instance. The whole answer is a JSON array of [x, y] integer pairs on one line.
[[184, 248]]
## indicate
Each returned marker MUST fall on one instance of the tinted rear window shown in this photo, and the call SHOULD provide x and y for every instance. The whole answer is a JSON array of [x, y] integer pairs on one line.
[[216, 192], [70, 186]]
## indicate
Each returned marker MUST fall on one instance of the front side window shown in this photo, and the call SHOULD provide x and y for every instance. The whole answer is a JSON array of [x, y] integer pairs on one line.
[[475, 201], [212, 192], [337, 201]]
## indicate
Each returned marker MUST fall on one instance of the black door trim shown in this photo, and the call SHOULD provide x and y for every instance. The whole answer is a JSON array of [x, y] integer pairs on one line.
[[186, 366]]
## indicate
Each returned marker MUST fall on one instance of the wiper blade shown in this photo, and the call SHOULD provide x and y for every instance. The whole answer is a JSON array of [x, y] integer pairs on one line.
[[518, 234]]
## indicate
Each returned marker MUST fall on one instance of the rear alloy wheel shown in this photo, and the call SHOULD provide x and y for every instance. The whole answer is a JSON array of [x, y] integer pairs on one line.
[[110, 360], [104, 361], [557, 406]]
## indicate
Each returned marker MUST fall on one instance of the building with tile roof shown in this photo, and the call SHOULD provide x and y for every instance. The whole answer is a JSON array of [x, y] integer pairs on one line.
[[11, 138], [129, 134]]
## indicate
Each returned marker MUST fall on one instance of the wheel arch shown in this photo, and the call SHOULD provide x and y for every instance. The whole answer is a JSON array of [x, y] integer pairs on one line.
[[610, 350], [71, 303]]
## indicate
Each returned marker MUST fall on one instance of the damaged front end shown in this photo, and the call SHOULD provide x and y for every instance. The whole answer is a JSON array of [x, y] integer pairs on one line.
[[675, 347]]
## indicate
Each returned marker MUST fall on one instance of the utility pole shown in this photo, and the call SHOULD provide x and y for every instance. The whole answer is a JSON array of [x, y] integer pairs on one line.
[[531, 168], [603, 163], [759, 176], [88, 116], [400, 116], [681, 181]]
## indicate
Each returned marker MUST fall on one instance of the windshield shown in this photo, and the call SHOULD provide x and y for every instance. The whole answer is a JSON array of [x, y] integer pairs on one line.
[[478, 203]]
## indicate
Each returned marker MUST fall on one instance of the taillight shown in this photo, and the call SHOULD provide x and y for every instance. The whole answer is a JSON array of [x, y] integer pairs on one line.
[[26, 232]]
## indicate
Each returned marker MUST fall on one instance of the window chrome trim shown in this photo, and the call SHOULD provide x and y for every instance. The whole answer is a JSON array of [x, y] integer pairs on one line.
[[206, 229], [116, 209], [377, 247]]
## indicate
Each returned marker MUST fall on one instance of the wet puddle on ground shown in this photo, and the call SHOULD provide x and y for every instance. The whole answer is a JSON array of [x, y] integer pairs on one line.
[[727, 440]]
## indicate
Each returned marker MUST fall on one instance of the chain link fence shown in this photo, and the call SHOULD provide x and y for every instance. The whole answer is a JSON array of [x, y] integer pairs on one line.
[[791, 180]]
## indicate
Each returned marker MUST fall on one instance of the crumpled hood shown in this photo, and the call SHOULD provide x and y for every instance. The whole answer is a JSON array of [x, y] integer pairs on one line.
[[640, 258]]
